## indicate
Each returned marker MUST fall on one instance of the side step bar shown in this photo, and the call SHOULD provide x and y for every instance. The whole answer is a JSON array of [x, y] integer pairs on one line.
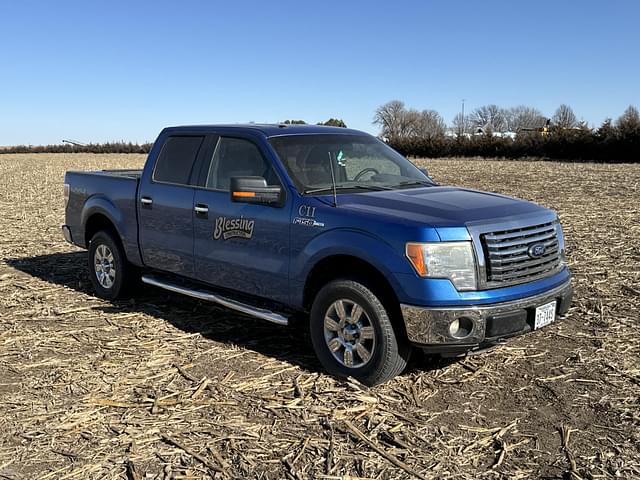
[[225, 302]]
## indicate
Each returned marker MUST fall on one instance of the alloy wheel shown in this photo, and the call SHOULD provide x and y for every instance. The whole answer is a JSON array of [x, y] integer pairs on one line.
[[104, 266], [349, 333]]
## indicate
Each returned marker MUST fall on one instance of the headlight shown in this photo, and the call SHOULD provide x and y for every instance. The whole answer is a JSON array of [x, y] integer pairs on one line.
[[560, 235], [452, 260]]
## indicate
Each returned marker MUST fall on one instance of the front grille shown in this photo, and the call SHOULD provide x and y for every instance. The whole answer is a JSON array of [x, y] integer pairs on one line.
[[507, 254]]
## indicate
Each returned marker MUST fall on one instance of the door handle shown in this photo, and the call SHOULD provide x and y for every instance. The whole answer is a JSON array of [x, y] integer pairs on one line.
[[201, 209], [148, 201]]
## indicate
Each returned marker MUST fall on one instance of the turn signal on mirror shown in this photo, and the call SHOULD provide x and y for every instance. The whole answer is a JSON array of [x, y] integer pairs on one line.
[[244, 194]]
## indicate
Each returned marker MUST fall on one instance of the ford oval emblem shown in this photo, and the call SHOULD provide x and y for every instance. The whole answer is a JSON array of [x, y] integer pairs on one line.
[[537, 250]]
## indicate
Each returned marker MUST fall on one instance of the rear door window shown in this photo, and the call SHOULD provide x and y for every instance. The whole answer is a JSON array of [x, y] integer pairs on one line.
[[176, 159]]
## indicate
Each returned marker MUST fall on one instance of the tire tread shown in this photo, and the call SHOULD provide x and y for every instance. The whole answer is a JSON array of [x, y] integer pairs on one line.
[[396, 350]]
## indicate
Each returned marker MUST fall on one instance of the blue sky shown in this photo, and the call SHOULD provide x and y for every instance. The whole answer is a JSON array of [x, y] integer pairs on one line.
[[99, 71]]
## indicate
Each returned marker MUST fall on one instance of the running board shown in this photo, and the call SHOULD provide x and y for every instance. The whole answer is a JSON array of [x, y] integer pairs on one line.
[[225, 302]]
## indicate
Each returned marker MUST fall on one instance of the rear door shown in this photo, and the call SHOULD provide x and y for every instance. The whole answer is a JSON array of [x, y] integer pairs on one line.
[[240, 246], [166, 206]]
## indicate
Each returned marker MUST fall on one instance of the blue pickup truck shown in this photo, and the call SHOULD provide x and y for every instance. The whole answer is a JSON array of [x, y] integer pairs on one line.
[[327, 224]]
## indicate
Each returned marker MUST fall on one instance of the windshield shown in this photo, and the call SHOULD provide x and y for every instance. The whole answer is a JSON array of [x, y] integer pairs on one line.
[[356, 162]]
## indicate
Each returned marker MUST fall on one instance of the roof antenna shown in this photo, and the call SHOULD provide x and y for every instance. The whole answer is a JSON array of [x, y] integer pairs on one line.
[[333, 181]]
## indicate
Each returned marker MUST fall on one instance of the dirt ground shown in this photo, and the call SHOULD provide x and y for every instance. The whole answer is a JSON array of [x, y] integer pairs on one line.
[[166, 387]]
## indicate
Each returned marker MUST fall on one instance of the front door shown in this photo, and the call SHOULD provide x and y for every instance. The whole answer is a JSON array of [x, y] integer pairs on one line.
[[240, 246]]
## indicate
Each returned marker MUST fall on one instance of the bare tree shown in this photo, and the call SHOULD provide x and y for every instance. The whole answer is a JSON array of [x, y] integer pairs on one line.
[[460, 126], [398, 122], [490, 118], [390, 117], [524, 118], [427, 124], [564, 117], [629, 122], [408, 124]]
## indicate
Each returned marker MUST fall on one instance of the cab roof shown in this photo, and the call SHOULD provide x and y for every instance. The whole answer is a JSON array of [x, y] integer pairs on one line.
[[267, 129]]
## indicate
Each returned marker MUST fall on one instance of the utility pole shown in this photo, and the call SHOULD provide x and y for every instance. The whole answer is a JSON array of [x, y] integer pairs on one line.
[[462, 123]]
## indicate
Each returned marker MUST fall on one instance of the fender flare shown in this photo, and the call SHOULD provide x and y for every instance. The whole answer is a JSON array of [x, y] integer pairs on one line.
[[100, 204], [351, 242]]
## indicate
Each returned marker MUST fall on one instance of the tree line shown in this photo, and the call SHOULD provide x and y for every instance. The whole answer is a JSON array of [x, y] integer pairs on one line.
[[110, 147], [516, 132], [121, 147], [487, 131], [332, 122]]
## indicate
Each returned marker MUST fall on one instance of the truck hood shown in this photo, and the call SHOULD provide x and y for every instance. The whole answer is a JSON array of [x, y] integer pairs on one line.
[[439, 206]]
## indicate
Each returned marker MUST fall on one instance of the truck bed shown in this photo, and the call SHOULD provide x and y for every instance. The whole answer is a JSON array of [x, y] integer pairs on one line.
[[106, 192], [126, 173]]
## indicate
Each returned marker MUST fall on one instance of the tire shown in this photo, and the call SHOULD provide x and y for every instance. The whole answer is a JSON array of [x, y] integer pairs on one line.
[[111, 275], [377, 352]]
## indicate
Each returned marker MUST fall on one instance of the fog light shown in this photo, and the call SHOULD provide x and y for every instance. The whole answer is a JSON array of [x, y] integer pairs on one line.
[[461, 327]]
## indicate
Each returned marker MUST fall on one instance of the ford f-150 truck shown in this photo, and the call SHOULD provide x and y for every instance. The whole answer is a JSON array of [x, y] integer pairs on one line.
[[327, 224]]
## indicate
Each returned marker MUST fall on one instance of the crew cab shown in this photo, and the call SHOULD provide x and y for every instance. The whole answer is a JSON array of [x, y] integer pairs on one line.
[[326, 224]]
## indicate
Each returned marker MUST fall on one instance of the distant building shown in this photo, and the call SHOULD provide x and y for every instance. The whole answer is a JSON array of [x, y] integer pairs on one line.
[[484, 131]]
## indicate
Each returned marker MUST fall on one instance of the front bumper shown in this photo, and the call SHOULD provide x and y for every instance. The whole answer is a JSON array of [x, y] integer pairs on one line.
[[429, 327]]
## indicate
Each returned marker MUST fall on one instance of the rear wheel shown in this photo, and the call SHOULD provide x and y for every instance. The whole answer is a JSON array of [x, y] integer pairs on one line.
[[111, 275], [352, 334]]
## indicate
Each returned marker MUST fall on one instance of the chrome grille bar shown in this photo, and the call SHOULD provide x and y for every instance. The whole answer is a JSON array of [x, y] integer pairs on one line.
[[508, 260]]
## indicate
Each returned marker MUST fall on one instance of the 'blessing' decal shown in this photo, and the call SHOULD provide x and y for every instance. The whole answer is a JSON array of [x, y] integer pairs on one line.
[[227, 228]]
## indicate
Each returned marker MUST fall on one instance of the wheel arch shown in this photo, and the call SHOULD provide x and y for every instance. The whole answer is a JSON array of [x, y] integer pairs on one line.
[[352, 267], [100, 213], [97, 222]]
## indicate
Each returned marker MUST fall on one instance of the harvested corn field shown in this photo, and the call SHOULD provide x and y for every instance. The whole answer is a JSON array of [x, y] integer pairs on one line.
[[163, 386]]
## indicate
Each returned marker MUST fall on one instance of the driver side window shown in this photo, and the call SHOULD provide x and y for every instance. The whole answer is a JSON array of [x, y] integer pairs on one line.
[[237, 157]]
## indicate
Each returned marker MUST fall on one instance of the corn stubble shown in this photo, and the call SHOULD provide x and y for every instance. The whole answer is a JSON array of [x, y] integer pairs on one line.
[[165, 387]]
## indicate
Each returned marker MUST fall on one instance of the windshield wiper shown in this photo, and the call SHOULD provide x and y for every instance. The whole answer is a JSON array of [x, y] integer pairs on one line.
[[412, 183], [373, 188]]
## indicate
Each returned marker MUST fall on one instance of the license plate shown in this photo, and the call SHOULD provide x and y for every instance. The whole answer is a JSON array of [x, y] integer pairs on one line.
[[545, 315]]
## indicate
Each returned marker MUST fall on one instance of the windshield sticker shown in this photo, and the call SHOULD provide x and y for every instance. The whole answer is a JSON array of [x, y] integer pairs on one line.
[[339, 157], [227, 228]]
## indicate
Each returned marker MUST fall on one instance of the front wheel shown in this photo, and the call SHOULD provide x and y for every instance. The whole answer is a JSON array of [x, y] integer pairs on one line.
[[352, 334], [110, 273]]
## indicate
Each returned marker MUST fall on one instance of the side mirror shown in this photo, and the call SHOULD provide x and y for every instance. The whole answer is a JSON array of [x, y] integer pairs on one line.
[[425, 171], [255, 190]]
